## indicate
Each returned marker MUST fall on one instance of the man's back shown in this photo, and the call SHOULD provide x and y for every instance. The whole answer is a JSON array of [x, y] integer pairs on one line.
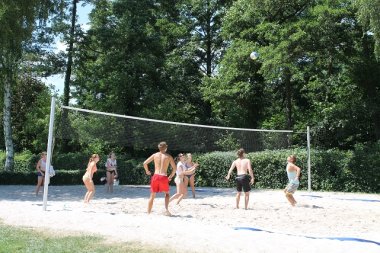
[[242, 166], [161, 163]]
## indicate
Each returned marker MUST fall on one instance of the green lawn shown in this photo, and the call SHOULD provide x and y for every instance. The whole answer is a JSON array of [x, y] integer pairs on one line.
[[20, 240]]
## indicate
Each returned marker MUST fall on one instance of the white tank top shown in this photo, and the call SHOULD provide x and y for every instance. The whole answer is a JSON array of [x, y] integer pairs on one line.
[[43, 165], [110, 162], [180, 168]]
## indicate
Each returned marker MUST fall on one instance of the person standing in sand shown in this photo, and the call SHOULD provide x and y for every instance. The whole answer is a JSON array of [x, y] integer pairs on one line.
[[179, 179], [41, 169], [111, 171], [160, 180], [243, 181], [293, 172], [190, 177], [87, 177]]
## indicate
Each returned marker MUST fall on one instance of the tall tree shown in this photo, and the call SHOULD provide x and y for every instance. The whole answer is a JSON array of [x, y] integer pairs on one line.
[[369, 16], [17, 22], [70, 49]]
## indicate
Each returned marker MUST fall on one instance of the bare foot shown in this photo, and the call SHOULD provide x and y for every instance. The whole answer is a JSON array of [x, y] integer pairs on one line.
[[167, 213]]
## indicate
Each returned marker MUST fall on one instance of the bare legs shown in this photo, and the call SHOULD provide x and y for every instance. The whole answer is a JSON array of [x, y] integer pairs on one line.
[[90, 190], [192, 184], [110, 179], [290, 198], [190, 181], [237, 199], [180, 193], [167, 204], [40, 182], [246, 200], [151, 200]]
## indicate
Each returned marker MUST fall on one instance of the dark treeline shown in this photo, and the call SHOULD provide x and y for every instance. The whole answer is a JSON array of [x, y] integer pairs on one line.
[[189, 61]]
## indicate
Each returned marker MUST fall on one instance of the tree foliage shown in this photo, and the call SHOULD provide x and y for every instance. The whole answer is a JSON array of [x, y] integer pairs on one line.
[[188, 61]]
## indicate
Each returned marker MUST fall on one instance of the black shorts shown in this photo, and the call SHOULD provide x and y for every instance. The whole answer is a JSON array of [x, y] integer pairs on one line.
[[242, 182]]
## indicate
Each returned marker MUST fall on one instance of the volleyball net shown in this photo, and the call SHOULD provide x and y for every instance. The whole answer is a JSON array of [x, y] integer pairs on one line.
[[98, 131], [88, 127]]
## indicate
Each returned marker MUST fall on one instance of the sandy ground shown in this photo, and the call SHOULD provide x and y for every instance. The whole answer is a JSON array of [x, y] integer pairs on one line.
[[321, 222]]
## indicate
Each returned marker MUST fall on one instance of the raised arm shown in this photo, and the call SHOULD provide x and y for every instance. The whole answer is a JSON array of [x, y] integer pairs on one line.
[[191, 170], [230, 170], [145, 164], [298, 169]]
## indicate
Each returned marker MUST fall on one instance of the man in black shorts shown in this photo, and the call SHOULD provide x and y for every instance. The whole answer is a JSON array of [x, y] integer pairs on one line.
[[243, 181]]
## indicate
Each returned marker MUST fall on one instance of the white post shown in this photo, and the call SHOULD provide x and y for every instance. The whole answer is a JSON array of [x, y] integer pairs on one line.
[[308, 161], [49, 152]]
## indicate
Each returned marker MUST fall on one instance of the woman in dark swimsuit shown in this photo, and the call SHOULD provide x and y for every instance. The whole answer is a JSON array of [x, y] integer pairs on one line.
[[111, 166]]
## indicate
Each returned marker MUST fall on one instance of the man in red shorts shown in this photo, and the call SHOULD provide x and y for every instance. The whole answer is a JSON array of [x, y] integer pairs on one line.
[[160, 179]]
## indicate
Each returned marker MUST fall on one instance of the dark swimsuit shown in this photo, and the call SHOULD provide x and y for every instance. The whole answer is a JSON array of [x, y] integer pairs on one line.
[[242, 182], [188, 176], [112, 171]]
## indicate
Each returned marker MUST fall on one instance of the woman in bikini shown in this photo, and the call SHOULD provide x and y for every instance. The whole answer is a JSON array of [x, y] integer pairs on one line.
[[181, 172], [190, 178], [111, 166], [41, 168], [87, 178]]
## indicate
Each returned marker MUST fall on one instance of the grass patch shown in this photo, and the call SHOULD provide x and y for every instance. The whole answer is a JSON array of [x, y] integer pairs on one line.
[[25, 240]]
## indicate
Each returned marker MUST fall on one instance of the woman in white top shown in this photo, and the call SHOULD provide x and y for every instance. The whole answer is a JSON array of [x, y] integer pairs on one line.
[[179, 179], [111, 167], [41, 168]]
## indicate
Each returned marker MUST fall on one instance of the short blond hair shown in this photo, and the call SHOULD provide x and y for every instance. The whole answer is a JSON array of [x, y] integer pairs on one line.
[[162, 146]]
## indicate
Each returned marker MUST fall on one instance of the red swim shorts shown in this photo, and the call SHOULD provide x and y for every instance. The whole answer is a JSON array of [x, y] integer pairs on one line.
[[159, 183]]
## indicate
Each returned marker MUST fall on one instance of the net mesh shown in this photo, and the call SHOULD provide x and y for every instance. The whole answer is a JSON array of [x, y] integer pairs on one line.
[[86, 127]]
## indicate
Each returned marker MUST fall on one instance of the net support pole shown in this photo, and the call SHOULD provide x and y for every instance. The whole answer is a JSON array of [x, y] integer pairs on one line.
[[308, 160], [49, 152]]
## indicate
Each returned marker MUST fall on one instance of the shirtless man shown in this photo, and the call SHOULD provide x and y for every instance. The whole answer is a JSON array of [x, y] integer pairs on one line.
[[293, 172], [160, 180], [243, 181]]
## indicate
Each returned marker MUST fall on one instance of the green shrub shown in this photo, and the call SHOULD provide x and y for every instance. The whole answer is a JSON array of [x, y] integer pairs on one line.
[[357, 170], [23, 162]]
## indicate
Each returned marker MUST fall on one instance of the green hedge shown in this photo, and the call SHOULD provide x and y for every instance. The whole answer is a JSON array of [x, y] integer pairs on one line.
[[357, 170], [331, 170]]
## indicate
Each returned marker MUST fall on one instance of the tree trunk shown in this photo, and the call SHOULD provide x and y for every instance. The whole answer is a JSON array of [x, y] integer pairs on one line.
[[66, 91], [208, 42], [288, 99], [7, 122]]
